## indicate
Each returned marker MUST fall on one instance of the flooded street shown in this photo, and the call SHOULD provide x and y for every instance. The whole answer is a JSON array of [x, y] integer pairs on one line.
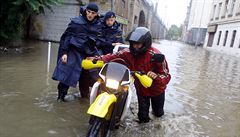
[[202, 99]]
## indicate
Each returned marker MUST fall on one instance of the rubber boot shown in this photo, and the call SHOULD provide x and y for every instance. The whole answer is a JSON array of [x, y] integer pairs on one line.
[[61, 95], [144, 120]]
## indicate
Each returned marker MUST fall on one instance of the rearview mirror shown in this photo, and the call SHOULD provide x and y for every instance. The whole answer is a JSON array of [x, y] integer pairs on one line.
[[158, 58]]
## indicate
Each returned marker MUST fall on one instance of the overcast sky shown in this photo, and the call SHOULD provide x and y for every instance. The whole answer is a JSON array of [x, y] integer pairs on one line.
[[172, 11]]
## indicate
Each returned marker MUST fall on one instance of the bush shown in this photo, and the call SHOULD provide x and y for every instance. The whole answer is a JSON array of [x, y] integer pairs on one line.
[[14, 15]]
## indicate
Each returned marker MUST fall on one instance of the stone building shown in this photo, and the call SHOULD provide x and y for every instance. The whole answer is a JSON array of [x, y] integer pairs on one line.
[[140, 14], [121, 11], [196, 21], [185, 24], [158, 29], [130, 14], [224, 27], [52, 24]]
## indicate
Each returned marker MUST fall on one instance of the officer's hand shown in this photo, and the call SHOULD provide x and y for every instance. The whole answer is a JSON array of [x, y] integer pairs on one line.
[[152, 75], [64, 58]]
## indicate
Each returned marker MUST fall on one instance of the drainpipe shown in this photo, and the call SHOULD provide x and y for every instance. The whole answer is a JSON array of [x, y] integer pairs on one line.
[[112, 5]]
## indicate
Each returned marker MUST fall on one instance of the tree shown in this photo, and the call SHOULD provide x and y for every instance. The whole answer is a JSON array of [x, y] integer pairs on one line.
[[174, 32], [14, 15]]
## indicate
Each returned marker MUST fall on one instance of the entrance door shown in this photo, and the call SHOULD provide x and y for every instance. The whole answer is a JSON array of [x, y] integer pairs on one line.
[[210, 39]]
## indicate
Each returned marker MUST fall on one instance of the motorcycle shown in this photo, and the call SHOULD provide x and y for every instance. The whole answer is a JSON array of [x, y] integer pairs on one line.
[[111, 95]]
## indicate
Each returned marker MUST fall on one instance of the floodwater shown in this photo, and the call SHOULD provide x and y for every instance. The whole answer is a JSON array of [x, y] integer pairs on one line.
[[202, 99]]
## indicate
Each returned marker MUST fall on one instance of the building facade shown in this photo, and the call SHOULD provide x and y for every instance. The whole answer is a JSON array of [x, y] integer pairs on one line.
[[144, 13], [185, 24], [224, 27], [121, 11], [51, 25], [195, 25], [158, 29], [130, 14]]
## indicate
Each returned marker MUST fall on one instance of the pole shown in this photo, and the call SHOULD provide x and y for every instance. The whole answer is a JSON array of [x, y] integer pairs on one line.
[[200, 24], [49, 56], [48, 62]]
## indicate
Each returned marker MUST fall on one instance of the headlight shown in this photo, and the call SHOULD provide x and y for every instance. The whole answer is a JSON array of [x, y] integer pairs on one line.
[[112, 84]]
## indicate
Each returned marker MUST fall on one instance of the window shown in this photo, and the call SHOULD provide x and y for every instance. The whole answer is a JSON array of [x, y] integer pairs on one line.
[[226, 8], [123, 3], [233, 38], [213, 13], [219, 37], [239, 44], [225, 39], [219, 10], [238, 10], [135, 19], [232, 7]]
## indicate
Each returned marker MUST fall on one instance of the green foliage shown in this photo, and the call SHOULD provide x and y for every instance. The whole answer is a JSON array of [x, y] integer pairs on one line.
[[174, 32], [14, 15]]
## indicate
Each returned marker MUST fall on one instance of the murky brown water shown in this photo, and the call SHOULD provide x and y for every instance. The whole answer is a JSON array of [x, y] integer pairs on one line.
[[203, 98]]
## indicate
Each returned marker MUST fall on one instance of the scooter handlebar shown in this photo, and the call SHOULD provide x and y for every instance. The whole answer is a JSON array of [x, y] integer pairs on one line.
[[91, 64], [144, 79]]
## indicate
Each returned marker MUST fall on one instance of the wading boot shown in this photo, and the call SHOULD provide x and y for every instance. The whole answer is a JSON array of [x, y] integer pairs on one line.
[[61, 95]]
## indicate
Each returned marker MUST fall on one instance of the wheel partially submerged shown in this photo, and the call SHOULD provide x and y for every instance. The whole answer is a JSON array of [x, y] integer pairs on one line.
[[98, 128]]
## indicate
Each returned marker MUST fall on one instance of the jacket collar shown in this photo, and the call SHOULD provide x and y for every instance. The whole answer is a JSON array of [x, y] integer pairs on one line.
[[82, 20]]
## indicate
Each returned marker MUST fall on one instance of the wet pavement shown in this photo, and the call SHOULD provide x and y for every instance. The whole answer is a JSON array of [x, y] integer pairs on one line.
[[203, 97]]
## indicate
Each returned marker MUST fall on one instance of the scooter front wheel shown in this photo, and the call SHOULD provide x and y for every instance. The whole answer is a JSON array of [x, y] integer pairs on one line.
[[98, 128]]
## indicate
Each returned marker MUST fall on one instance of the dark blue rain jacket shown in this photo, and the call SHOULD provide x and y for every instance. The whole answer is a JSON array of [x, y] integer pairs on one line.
[[76, 43], [111, 35]]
